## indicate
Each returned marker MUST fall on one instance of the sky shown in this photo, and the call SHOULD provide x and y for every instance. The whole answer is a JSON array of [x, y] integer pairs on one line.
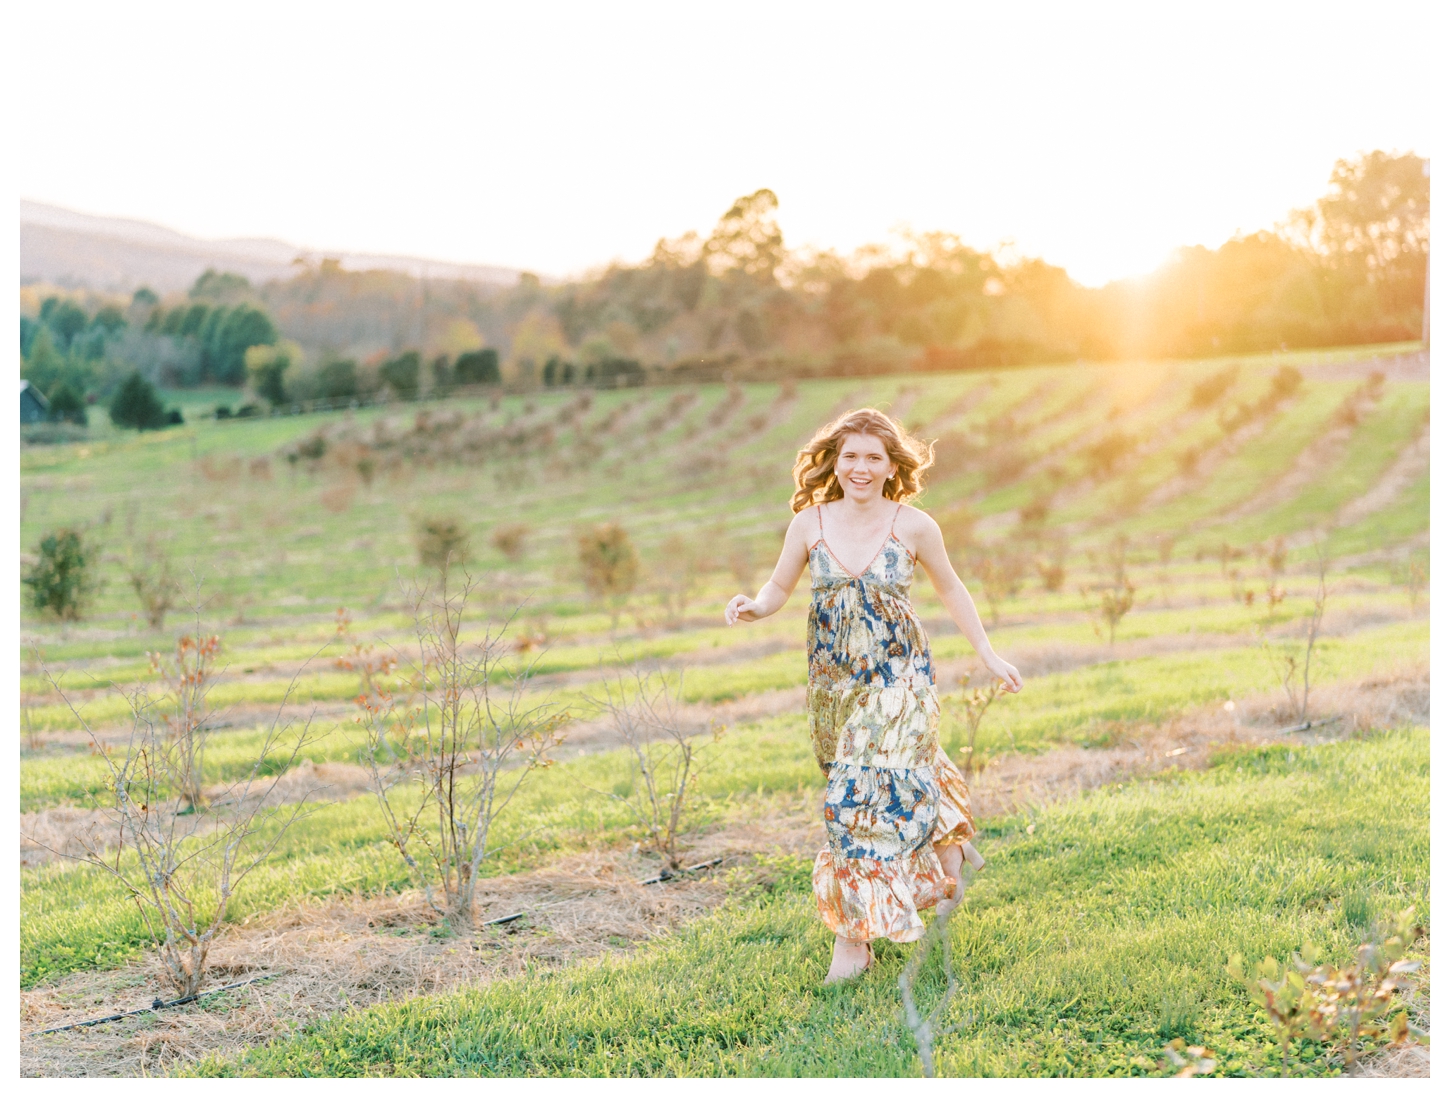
[[562, 142]]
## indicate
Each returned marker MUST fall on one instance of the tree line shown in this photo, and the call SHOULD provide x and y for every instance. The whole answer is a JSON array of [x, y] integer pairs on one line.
[[1349, 269]]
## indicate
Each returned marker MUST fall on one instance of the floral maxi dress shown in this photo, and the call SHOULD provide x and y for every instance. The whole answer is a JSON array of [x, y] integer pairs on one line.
[[891, 791]]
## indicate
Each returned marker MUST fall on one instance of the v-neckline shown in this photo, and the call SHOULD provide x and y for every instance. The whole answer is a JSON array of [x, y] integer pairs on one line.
[[869, 563], [891, 533]]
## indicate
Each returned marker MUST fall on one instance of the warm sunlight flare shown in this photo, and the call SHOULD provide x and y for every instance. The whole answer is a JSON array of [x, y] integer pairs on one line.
[[757, 540]]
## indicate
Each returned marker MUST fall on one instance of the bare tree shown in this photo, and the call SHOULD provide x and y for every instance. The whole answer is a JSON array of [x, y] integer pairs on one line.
[[180, 861], [647, 711], [462, 739]]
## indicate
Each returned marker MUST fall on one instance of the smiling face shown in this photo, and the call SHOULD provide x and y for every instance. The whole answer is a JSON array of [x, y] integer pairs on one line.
[[862, 467]]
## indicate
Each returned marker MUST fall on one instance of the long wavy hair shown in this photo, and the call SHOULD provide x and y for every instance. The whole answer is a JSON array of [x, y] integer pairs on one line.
[[815, 465]]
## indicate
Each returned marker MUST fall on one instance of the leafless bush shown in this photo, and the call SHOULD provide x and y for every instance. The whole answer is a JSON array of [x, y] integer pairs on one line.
[[1052, 569], [610, 566], [181, 861], [1292, 662], [465, 735], [442, 542], [1114, 596], [1000, 575], [664, 745], [338, 498], [1033, 514], [973, 707], [1211, 389], [958, 527], [216, 467], [151, 577], [1414, 577], [679, 572], [512, 540], [1105, 455]]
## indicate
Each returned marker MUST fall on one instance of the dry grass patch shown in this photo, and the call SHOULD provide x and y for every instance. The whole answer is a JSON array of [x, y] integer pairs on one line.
[[359, 951]]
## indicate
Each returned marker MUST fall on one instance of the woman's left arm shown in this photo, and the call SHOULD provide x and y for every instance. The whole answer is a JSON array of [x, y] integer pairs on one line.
[[931, 554]]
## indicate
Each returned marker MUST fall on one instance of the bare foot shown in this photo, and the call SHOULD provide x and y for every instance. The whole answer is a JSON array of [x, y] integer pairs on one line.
[[848, 960]]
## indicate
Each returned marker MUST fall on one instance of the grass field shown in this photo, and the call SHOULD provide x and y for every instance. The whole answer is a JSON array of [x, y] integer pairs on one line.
[[1163, 875], [1097, 936]]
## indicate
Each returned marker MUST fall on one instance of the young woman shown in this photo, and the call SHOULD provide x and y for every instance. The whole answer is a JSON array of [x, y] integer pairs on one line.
[[898, 816]]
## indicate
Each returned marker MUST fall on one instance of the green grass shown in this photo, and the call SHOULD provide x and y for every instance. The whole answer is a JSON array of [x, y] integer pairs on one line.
[[342, 847], [275, 564], [1099, 931]]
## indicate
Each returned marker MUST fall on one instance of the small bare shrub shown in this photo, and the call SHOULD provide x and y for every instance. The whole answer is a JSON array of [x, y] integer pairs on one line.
[[973, 707], [181, 864], [678, 574], [1105, 455], [1052, 570], [1000, 575], [1292, 662], [610, 566], [532, 635], [958, 527], [1114, 596], [338, 499], [464, 735], [218, 468], [155, 583], [1033, 513], [1414, 577], [442, 542], [512, 540], [1211, 389], [664, 744]]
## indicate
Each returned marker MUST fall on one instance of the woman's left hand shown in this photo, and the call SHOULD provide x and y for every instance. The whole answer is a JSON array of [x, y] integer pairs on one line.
[[1010, 676]]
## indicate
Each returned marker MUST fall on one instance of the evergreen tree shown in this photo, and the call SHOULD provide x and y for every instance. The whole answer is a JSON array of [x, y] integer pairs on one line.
[[67, 404], [477, 367], [137, 405]]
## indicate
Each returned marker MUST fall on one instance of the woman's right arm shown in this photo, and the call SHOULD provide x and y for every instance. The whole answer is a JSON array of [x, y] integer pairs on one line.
[[782, 581]]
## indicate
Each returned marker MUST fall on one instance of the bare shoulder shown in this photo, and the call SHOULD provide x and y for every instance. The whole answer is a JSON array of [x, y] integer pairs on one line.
[[802, 528], [916, 528]]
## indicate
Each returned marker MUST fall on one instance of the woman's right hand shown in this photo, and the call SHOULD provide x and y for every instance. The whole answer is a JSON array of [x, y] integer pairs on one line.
[[741, 608]]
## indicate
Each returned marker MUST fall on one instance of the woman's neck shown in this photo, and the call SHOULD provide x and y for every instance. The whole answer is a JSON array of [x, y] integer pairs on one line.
[[868, 508]]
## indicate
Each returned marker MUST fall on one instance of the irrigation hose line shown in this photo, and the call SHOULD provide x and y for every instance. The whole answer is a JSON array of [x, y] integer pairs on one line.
[[664, 875], [159, 1004], [156, 1004]]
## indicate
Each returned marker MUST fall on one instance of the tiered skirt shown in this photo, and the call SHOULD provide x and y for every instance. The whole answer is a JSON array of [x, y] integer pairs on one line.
[[878, 870]]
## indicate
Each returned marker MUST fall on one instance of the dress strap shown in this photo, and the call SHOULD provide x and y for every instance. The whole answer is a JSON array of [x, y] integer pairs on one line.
[[820, 523], [893, 517]]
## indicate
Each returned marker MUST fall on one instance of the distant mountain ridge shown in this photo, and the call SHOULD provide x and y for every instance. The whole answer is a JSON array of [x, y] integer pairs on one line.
[[76, 249]]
